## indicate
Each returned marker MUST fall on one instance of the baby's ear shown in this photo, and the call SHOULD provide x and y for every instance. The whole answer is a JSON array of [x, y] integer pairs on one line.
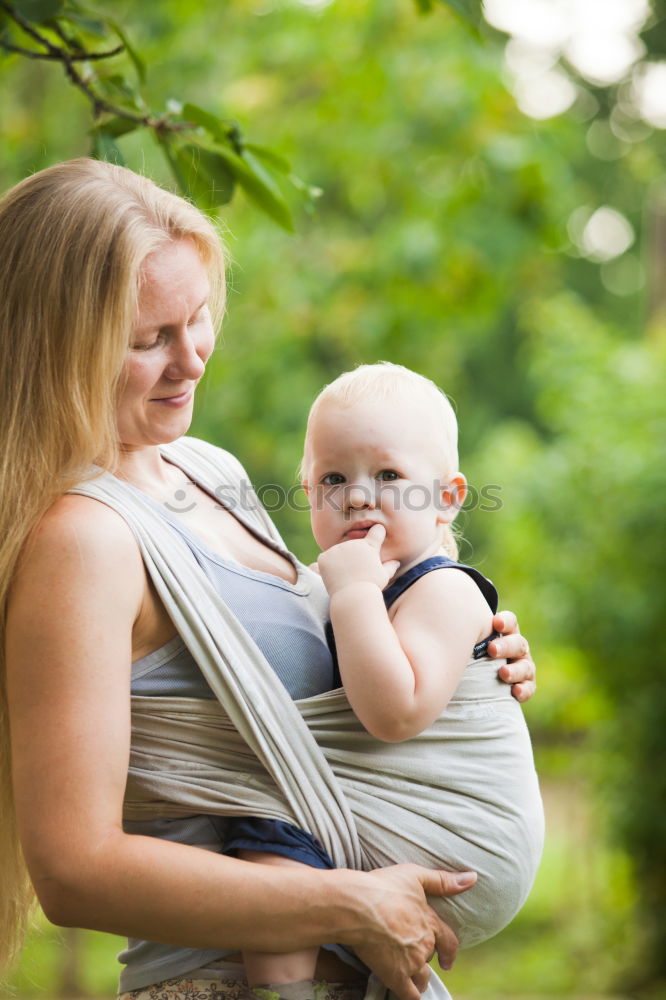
[[307, 489], [451, 498]]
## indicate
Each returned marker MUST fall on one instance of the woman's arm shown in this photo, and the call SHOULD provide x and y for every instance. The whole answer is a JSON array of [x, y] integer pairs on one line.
[[75, 601]]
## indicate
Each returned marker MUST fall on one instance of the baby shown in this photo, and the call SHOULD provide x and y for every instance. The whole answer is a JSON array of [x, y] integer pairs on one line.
[[380, 469]]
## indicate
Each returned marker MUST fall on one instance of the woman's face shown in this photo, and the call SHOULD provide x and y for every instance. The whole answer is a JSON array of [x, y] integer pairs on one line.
[[173, 339]]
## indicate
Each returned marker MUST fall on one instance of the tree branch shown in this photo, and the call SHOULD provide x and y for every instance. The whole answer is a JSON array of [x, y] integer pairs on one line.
[[100, 104], [57, 53], [82, 57], [76, 52], [64, 55], [28, 28]]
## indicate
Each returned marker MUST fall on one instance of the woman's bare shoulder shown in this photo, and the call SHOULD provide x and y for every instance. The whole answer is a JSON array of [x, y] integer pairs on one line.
[[83, 537], [90, 522]]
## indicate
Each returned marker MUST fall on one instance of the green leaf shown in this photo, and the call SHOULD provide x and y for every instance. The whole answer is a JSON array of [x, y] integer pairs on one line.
[[116, 86], [258, 169], [137, 60], [269, 157], [203, 175], [166, 144], [105, 148], [38, 10], [246, 169], [258, 186], [216, 127], [470, 10], [92, 25], [654, 35], [221, 130], [116, 126]]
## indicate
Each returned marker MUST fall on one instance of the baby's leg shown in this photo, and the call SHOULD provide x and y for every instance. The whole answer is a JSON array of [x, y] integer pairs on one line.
[[269, 969]]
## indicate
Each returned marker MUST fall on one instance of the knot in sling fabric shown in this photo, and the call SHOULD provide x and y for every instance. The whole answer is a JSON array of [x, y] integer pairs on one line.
[[461, 795]]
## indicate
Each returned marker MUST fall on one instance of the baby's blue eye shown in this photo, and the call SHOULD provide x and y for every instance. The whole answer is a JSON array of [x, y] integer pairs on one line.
[[333, 479], [388, 475]]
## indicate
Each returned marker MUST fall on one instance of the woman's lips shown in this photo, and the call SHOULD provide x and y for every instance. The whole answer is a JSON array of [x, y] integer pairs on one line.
[[181, 400]]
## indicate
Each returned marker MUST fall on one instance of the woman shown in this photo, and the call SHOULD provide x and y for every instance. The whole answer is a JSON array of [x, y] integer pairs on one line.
[[110, 292]]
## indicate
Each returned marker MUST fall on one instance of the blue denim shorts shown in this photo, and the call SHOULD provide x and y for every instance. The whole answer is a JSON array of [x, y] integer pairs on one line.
[[248, 833]]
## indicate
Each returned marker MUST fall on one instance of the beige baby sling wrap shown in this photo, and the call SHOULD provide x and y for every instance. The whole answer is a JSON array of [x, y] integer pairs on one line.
[[461, 795]]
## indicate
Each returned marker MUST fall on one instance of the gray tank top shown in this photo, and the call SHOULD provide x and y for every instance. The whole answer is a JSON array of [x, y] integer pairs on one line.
[[287, 622]]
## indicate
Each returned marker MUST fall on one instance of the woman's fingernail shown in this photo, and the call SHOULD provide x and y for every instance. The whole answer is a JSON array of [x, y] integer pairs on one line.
[[463, 879]]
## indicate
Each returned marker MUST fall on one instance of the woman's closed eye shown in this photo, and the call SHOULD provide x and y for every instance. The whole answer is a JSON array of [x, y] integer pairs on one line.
[[148, 345], [201, 313]]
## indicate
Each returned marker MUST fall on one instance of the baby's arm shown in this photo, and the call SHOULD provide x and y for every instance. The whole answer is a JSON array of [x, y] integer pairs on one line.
[[399, 672]]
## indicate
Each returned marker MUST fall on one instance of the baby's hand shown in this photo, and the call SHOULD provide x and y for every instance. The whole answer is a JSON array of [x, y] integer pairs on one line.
[[357, 561]]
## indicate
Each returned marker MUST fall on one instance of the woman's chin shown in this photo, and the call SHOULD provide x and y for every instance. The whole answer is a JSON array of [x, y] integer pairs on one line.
[[157, 434]]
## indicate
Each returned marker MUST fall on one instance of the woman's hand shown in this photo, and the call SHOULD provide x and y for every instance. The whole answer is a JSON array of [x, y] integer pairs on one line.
[[403, 932], [520, 671]]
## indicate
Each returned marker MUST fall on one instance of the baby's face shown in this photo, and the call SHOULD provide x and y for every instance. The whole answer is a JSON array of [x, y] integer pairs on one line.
[[374, 463]]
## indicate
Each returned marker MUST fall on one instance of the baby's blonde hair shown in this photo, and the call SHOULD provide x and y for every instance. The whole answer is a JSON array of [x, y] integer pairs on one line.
[[387, 381]]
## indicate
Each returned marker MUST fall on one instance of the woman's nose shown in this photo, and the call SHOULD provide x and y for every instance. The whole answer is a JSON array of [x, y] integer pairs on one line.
[[187, 360]]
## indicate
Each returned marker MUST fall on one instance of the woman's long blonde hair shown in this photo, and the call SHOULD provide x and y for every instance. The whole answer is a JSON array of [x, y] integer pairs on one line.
[[73, 239]]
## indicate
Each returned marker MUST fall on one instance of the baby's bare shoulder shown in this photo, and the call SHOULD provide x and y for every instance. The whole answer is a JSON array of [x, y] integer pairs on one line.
[[444, 583], [444, 599]]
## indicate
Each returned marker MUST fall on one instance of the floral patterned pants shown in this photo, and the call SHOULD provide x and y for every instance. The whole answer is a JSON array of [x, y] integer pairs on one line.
[[214, 983]]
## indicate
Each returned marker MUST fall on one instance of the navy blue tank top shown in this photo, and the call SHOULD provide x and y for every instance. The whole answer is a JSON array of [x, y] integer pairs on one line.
[[487, 588], [404, 582]]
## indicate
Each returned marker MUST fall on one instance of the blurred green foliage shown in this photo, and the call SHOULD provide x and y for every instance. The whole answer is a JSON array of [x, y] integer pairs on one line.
[[445, 239]]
